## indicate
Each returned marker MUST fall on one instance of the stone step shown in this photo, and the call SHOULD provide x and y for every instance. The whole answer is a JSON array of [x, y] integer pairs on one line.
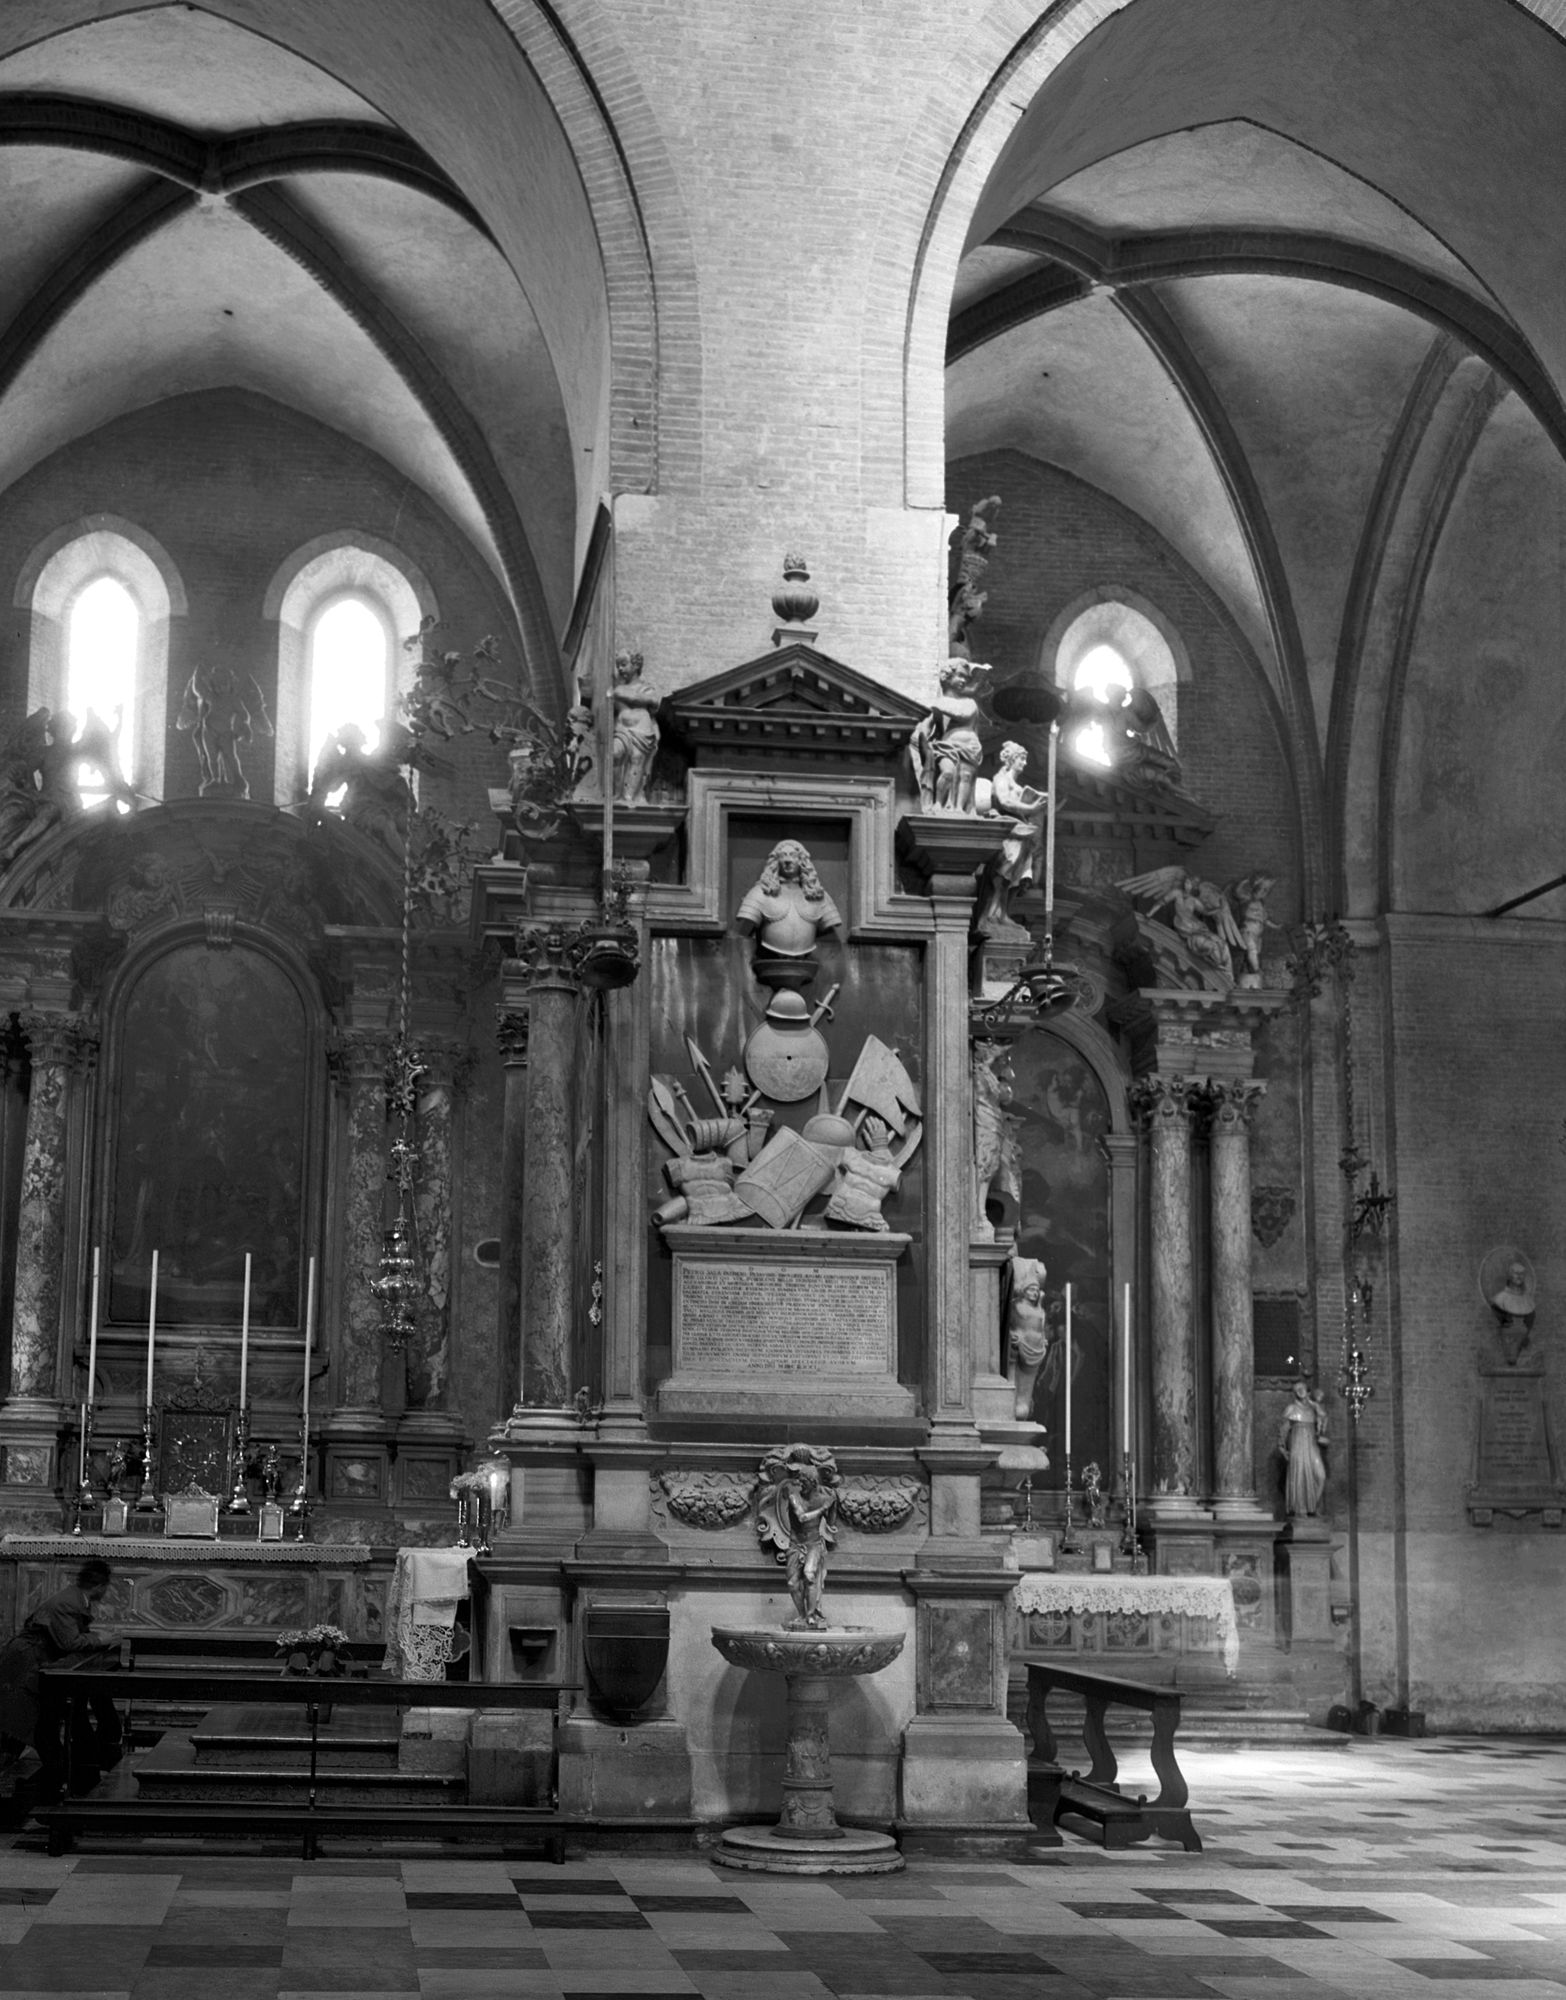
[[236, 1737], [170, 1772]]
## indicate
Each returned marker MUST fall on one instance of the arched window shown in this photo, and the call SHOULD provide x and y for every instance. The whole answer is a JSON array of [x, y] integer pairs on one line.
[[1104, 671], [102, 644], [101, 594], [344, 606], [1118, 646], [349, 671]]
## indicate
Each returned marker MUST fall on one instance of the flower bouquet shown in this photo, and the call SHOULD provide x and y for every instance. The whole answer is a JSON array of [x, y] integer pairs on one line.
[[321, 1651]]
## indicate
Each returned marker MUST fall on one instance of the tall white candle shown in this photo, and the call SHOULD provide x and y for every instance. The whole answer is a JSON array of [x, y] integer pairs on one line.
[[152, 1324], [1068, 1371], [309, 1340], [244, 1339], [92, 1327], [1125, 1380]]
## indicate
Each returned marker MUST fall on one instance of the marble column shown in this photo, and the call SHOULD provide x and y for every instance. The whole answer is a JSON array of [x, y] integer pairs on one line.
[[511, 1034], [1230, 1103], [548, 1213], [948, 1147], [429, 1353], [1166, 1103], [56, 1044], [360, 1056]]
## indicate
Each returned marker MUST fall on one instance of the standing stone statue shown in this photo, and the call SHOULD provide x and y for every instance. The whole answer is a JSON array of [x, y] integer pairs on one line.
[[1021, 859], [945, 747], [222, 712], [1302, 1438], [795, 1503], [635, 729], [997, 1158], [1030, 1332]]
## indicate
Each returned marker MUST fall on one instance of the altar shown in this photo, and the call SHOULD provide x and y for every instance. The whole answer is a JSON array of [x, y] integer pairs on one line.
[[1111, 1620], [200, 1591]]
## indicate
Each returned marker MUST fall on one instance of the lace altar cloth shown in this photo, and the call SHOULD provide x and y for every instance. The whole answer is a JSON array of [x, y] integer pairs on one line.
[[421, 1609], [1186, 1596]]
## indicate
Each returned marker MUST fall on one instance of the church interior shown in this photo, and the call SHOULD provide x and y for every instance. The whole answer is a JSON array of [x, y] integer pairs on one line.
[[781, 956]]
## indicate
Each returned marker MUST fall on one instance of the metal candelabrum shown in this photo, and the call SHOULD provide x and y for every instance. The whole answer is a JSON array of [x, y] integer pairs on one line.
[[147, 1498], [1069, 1545], [84, 1485], [1129, 1545], [239, 1499]]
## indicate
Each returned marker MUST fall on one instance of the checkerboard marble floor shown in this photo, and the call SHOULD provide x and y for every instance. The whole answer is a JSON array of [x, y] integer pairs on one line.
[[1378, 1870]]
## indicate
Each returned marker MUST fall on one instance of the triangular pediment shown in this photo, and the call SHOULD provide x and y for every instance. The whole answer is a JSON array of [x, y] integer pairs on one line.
[[792, 702]]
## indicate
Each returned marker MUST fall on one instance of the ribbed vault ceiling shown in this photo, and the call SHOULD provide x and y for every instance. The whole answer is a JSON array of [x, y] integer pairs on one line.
[[191, 204], [1265, 275]]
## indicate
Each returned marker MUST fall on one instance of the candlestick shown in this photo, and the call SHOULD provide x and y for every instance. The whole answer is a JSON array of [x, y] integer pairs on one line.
[[92, 1327], [1068, 1395], [81, 1451], [152, 1325], [1068, 1539], [245, 1339], [1128, 1541]]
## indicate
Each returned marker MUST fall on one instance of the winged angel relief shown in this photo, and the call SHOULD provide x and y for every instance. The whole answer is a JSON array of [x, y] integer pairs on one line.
[[1220, 928]]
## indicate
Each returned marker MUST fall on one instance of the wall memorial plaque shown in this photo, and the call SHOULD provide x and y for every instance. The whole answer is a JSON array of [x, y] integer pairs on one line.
[[1516, 1470], [785, 1322]]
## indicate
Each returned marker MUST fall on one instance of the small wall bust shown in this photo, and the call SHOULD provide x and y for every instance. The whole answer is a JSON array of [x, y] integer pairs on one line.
[[1507, 1282]]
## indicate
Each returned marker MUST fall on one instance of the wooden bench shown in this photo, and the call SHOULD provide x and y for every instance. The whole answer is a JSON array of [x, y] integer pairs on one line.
[[505, 1826], [1095, 1805]]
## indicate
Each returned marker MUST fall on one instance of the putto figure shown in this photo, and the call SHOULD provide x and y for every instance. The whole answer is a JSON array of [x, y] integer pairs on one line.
[[635, 729], [223, 711], [945, 748], [795, 1503], [786, 906]]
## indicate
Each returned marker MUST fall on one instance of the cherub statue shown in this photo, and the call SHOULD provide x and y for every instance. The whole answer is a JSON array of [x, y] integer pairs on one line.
[[1149, 756], [1021, 859], [795, 1502], [1199, 913], [1030, 1330], [1248, 901], [636, 731], [375, 796], [786, 905], [223, 711], [1302, 1436], [945, 748], [997, 1164], [966, 600]]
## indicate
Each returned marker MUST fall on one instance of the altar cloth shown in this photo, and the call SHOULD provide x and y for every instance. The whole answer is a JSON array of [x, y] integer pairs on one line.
[[421, 1609], [1185, 1596]]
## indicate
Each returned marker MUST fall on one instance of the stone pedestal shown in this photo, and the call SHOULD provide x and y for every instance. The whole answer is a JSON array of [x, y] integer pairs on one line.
[[1305, 1576], [964, 1769], [612, 1771]]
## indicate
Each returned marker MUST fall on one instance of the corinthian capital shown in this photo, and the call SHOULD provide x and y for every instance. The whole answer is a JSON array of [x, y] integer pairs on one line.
[[57, 1041], [1230, 1102], [1165, 1100], [549, 953]]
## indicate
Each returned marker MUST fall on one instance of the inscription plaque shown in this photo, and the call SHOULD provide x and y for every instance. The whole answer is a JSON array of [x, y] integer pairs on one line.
[[798, 1319], [1515, 1470], [784, 1322]]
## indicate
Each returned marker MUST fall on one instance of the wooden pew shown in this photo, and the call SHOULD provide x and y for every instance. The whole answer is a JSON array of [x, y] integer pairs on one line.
[[506, 1826], [1095, 1804]]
